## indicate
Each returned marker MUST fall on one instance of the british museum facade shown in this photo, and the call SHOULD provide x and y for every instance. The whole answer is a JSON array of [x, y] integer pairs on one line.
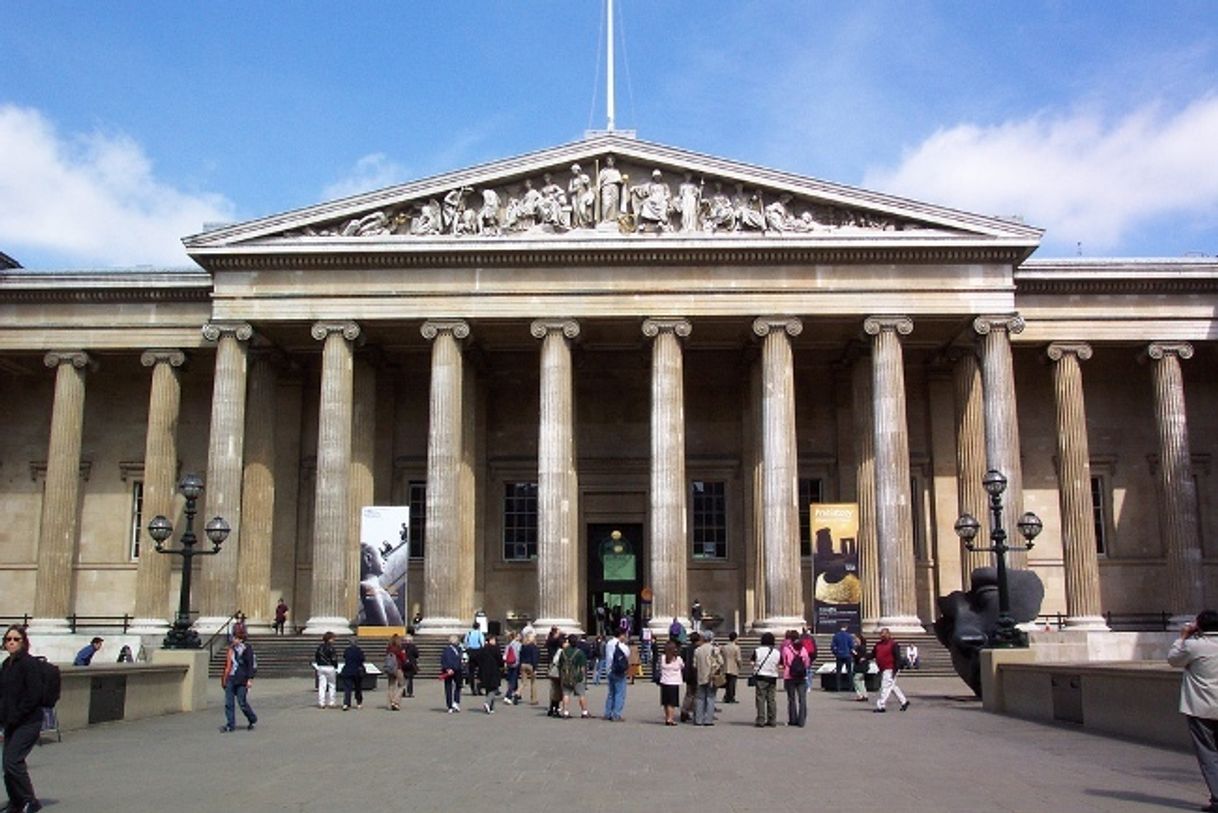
[[608, 372]]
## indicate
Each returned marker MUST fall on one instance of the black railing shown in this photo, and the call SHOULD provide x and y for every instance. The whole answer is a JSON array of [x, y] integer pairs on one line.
[[1117, 622]]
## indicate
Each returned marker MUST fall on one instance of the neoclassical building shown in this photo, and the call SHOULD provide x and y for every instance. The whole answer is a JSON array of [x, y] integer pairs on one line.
[[608, 371]]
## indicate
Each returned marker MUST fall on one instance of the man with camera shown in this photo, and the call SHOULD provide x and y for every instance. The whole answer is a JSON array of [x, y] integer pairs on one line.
[[1196, 650]]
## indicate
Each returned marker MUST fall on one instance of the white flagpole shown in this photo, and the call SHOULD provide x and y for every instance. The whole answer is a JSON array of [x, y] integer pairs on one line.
[[609, 72]]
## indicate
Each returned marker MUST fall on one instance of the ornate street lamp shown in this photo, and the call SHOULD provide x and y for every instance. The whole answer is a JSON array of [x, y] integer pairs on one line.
[[1030, 526], [181, 636]]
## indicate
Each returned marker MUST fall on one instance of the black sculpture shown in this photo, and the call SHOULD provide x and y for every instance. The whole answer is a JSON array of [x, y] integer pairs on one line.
[[967, 621]]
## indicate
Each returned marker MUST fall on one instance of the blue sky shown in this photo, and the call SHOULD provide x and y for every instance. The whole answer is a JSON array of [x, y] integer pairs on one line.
[[124, 126]]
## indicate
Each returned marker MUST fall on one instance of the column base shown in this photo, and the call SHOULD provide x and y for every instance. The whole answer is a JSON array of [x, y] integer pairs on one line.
[[779, 624], [901, 623], [208, 625], [149, 626], [435, 626], [1095, 623], [568, 626], [321, 624], [48, 626]]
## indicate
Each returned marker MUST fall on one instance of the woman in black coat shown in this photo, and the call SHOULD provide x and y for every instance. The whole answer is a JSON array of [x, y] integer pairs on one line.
[[490, 672], [352, 675], [21, 713]]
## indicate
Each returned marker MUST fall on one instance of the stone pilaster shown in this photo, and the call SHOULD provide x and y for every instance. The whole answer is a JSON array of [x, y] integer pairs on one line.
[[557, 480], [152, 604], [217, 576], [327, 605], [893, 507], [970, 460], [1002, 419], [58, 527], [258, 493], [1177, 489], [669, 537], [864, 445], [1074, 488], [448, 581], [780, 477]]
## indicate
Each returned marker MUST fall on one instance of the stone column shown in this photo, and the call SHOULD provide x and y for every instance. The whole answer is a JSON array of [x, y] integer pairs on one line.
[[363, 479], [1002, 419], [893, 507], [58, 527], [780, 478], [448, 585], [1177, 489], [669, 537], [327, 603], [557, 480], [864, 444], [152, 601], [217, 576], [970, 460], [258, 493], [1074, 488]]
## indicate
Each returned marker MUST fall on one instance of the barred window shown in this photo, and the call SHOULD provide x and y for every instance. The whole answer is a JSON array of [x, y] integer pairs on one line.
[[417, 500], [709, 519], [810, 491], [137, 518], [519, 521]]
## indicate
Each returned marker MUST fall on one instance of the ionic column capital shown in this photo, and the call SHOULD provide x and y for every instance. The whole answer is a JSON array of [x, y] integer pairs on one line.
[[242, 331], [762, 325], [1010, 322], [77, 358], [540, 328], [1160, 350], [679, 327], [321, 330], [153, 357], [432, 328], [874, 325], [1080, 350]]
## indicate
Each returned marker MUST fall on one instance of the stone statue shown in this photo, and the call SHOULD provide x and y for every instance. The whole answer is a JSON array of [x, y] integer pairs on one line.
[[454, 206], [369, 225], [748, 210], [689, 203], [776, 216], [967, 621], [553, 207], [609, 188], [488, 215], [583, 198], [428, 219], [652, 203], [721, 215]]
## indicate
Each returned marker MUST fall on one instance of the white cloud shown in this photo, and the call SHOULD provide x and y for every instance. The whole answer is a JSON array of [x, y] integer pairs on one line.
[[373, 171], [91, 198], [1079, 177]]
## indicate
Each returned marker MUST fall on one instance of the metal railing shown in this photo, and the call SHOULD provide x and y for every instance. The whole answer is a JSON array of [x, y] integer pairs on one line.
[[1117, 622]]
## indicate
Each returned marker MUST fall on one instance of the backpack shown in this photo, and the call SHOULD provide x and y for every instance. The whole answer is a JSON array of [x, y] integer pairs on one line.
[[568, 670], [718, 678], [621, 661], [46, 675], [797, 669], [391, 663], [510, 657]]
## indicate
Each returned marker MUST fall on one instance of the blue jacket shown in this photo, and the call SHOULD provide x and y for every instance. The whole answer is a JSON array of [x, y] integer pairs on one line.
[[842, 645], [85, 656], [353, 660], [450, 660]]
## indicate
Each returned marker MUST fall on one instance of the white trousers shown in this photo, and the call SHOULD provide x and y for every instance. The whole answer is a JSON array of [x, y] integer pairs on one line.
[[327, 685], [888, 685]]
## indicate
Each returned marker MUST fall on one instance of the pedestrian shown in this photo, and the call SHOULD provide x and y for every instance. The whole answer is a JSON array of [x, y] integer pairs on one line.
[[885, 655], [489, 672], [21, 713], [553, 673], [1196, 650], [474, 639], [731, 667], [240, 666], [809, 645], [676, 631], [395, 676], [795, 667], [862, 665], [636, 663], [529, 657], [601, 628], [599, 665], [325, 661], [690, 676], [85, 656], [645, 646], [411, 667], [238, 625], [842, 647], [670, 667], [617, 656], [281, 616], [707, 661], [511, 665], [352, 675], [766, 660], [573, 671], [451, 673], [695, 615]]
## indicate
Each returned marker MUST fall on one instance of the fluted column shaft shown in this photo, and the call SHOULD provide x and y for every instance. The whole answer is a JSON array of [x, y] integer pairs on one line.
[[57, 529], [669, 489], [970, 460], [1002, 418], [327, 606], [217, 577], [780, 478], [864, 445], [258, 493], [363, 480], [448, 584], [1177, 488], [1074, 487], [152, 607], [893, 506]]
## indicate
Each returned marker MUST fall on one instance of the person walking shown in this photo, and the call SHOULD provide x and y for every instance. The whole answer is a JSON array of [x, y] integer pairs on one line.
[[862, 665], [529, 657], [695, 615], [511, 665], [240, 667], [411, 667], [21, 714], [325, 661], [842, 647], [795, 668], [885, 655], [474, 640], [554, 675], [670, 667], [573, 671], [766, 662], [395, 676], [690, 675], [1196, 651], [352, 675], [599, 659], [451, 674], [490, 673], [731, 667], [707, 660], [281, 616], [617, 656]]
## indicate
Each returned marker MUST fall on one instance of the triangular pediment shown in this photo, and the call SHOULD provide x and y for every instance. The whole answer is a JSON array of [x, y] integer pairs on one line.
[[612, 188]]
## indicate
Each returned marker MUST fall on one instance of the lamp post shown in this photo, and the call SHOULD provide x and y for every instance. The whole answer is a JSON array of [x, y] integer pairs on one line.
[[181, 636], [1030, 526]]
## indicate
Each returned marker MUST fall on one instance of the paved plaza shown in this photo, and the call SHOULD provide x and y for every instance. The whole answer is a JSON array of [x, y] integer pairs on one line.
[[941, 755]]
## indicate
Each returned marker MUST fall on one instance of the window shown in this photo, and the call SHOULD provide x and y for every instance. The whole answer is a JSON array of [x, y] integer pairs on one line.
[[710, 519], [416, 491], [810, 491], [519, 521], [1099, 513], [137, 517], [916, 516]]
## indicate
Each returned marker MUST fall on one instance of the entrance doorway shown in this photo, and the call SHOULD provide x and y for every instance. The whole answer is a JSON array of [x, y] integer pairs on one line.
[[615, 573]]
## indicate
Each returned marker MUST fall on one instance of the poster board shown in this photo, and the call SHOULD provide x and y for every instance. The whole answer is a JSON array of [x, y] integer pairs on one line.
[[836, 586], [384, 555]]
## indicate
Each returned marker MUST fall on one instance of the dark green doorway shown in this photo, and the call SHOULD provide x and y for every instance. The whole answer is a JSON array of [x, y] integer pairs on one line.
[[615, 569]]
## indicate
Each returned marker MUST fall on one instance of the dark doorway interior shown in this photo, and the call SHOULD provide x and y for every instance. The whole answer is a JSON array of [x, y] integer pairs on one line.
[[615, 572]]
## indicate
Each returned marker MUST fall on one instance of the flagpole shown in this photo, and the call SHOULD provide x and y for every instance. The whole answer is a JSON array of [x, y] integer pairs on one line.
[[609, 103]]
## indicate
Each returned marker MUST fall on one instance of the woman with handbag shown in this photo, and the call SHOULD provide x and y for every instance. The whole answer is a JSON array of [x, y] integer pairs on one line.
[[669, 668], [766, 659], [395, 660]]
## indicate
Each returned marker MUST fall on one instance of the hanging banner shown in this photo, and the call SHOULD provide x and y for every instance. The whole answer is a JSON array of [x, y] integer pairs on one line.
[[384, 553], [836, 587]]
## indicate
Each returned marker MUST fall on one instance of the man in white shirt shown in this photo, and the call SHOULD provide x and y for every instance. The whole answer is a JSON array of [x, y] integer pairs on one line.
[[615, 701], [1196, 650]]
